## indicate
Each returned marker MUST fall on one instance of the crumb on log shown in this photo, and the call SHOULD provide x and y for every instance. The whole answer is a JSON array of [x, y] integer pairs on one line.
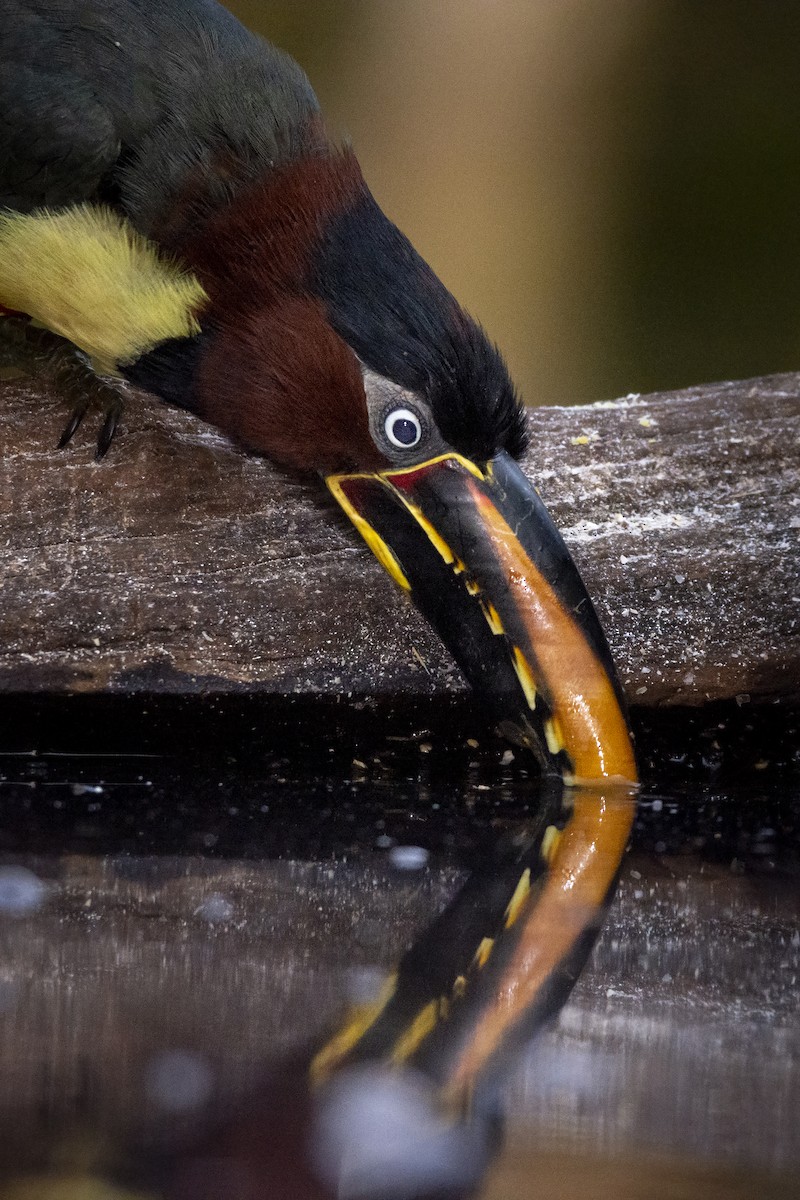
[[180, 565]]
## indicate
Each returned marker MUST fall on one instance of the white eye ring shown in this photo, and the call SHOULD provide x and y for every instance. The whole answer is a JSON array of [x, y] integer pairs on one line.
[[403, 428]]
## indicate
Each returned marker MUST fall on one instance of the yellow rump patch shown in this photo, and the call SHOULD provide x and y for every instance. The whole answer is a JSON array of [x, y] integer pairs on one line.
[[87, 275]]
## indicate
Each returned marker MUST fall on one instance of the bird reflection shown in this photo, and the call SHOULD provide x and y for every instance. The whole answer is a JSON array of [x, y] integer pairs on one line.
[[402, 1100]]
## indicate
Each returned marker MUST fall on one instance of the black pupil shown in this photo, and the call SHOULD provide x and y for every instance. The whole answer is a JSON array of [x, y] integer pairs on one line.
[[405, 431]]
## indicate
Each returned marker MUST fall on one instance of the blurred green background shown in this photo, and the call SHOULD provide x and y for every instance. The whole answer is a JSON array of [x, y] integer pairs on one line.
[[611, 186]]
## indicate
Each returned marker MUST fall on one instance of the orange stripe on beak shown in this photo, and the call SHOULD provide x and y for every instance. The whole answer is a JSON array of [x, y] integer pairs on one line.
[[592, 726], [572, 900]]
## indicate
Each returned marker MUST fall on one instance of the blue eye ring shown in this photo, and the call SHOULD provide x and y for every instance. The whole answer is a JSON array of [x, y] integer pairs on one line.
[[403, 428]]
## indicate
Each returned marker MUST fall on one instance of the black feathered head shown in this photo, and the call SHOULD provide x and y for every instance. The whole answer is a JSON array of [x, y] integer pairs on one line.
[[415, 343]]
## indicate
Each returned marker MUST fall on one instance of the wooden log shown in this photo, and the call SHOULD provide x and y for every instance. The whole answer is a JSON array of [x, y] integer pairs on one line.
[[179, 564]]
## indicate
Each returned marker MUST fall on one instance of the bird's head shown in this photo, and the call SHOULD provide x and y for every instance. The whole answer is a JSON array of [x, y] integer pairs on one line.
[[328, 344]]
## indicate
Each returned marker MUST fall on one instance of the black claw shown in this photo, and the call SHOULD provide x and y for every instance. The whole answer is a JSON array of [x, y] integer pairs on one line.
[[78, 413], [71, 370], [108, 429]]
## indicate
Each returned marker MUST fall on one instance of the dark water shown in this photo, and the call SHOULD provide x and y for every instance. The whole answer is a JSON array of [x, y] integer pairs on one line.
[[252, 778], [218, 882]]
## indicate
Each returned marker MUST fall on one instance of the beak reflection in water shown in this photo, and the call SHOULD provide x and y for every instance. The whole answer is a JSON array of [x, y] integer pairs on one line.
[[502, 958], [400, 1103]]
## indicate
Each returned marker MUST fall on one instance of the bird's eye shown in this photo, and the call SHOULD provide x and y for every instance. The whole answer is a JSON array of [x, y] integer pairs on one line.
[[403, 428]]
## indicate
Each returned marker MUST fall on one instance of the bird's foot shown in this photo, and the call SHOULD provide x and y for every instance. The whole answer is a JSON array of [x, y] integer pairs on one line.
[[42, 353], [77, 380]]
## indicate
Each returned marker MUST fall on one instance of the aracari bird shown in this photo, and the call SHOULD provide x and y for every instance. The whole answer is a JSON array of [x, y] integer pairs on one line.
[[174, 208]]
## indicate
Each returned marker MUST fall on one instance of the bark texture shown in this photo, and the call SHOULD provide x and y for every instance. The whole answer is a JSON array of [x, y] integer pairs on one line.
[[179, 564]]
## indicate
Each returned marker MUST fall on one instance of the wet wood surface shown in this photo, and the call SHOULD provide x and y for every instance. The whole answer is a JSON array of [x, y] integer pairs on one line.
[[180, 565]]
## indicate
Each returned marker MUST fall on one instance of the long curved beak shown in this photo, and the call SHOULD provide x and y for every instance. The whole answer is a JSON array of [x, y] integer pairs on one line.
[[481, 558]]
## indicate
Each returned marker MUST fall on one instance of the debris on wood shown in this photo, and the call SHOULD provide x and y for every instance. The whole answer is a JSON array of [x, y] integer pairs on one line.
[[179, 564]]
